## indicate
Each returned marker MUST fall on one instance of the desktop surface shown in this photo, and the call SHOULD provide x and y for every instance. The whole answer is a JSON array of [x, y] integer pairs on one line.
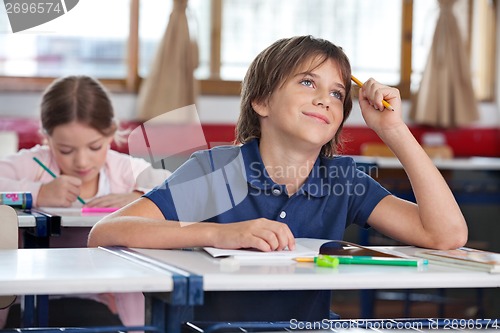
[[224, 275], [74, 217], [76, 270]]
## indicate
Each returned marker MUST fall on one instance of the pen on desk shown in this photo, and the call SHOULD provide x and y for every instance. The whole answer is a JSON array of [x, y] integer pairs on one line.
[[52, 174], [360, 84], [363, 260], [321, 260]]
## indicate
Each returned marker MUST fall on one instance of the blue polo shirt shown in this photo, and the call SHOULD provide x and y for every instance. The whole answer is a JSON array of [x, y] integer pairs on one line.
[[230, 184]]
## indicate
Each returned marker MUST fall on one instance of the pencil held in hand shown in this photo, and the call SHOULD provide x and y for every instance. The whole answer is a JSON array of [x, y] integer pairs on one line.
[[44, 167], [360, 84]]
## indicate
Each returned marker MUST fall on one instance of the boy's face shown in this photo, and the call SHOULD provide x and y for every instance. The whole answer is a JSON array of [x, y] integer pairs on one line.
[[79, 150], [307, 110]]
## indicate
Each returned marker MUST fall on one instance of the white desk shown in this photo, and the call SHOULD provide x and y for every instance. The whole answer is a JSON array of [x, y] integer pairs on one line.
[[43, 222], [25, 220], [474, 180], [91, 270], [290, 275], [472, 163], [70, 217], [79, 270], [73, 217]]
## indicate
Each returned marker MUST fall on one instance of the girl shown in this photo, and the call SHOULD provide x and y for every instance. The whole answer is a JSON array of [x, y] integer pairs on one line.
[[285, 181], [78, 125]]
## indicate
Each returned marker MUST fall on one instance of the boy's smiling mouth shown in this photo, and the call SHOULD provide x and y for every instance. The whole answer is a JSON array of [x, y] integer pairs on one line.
[[318, 116]]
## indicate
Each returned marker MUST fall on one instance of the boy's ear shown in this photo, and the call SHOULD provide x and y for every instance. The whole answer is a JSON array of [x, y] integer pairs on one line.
[[261, 108]]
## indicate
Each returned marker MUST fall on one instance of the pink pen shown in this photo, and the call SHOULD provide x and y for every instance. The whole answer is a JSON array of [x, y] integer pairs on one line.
[[99, 209]]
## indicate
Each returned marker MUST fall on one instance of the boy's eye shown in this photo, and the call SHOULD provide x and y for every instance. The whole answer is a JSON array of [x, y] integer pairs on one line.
[[337, 94], [306, 82], [65, 152], [96, 148]]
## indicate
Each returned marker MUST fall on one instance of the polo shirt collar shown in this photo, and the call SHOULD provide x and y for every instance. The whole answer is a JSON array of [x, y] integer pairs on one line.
[[257, 176]]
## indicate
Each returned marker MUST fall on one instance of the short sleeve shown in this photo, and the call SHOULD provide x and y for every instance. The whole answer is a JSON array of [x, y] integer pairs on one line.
[[203, 187], [366, 194]]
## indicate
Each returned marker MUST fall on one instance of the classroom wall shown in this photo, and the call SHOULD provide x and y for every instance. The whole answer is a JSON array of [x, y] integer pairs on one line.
[[211, 109]]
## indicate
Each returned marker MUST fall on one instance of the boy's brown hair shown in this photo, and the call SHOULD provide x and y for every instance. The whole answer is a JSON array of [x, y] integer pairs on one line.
[[273, 66]]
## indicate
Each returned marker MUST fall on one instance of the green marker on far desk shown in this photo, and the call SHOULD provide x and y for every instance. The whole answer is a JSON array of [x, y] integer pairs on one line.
[[332, 261]]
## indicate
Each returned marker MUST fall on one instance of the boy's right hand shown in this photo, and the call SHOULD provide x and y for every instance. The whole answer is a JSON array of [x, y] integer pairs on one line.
[[262, 234], [61, 192]]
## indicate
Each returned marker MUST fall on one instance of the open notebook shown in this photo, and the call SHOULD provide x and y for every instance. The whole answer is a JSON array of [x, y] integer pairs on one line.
[[306, 247], [465, 257]]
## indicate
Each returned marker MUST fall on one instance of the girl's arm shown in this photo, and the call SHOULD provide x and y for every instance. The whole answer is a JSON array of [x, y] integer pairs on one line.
[[130, 178], [20, 173], [141, 224], [436, 220]]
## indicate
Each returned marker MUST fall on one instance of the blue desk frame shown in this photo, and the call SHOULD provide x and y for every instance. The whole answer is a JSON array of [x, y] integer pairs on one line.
[[34, 309], [168, 313]]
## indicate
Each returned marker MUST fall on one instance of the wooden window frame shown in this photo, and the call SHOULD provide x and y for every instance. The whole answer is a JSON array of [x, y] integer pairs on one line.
[[213, 85]]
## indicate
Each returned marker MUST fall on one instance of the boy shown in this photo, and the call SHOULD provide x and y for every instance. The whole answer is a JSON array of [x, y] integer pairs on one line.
[[285, 182]]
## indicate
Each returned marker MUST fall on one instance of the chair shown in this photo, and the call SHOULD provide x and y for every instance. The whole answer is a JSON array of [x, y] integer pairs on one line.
[[8, 240]]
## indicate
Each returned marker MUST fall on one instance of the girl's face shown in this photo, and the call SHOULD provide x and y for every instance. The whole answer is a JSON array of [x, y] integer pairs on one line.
[[307, 110], [79, 150]]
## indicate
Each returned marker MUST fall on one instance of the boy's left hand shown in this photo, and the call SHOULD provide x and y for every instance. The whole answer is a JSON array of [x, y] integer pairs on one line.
[[376, 116], [114, 200]]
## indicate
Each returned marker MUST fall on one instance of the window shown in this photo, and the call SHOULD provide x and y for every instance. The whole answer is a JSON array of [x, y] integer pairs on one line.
[[94, 42], [250, 26], [385, 39]]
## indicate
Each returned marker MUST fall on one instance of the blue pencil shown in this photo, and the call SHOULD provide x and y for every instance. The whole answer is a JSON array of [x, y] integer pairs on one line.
[[52, 174]]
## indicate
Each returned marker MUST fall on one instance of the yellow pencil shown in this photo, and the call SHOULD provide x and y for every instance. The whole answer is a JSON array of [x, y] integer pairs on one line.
[[360, 84], [304, 259]]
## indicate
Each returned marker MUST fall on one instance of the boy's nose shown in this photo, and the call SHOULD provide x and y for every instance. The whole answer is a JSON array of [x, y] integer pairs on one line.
[[321, 99]]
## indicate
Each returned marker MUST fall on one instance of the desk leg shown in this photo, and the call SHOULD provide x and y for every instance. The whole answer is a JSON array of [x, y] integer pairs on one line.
[[32, 241], [163, 315], [367, 298], [35, 311], [28, 316], [42, 310]]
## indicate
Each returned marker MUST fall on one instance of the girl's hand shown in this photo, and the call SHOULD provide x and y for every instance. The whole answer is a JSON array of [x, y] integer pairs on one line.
[[61, 192], [114, 200], [376, 116], [262, 234]]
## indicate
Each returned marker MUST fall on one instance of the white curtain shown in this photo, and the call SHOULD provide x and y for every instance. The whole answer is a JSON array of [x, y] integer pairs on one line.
[[446, 97], [171, 84]]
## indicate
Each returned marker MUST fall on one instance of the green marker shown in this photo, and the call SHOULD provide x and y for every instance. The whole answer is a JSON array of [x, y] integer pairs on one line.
[[363, 260], [326, 261], [333, 261]]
